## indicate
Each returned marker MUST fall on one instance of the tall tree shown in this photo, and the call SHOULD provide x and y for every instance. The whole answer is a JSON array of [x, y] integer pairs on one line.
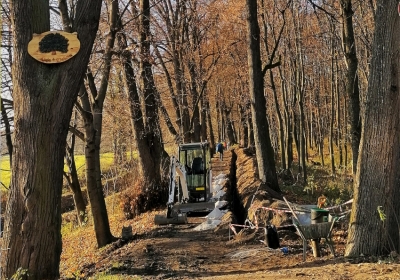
[[90, 105], [151, 166], [352, 87], [374, 221], [144, 107], [44, 95], [72, 176], [264, 150]]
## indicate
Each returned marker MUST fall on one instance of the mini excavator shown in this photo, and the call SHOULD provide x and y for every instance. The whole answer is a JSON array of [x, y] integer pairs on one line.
[[189, 184]]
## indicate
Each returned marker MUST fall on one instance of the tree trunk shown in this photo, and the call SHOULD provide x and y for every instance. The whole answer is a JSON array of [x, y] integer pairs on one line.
[[280, 122], [174, 100], [92, 114], [131, 90], [210, 127], [332, 118], [374, 222], [300, 88], [264, 150], [195, 124], [151, 165], [44, 95], [339, 139], [93, 175], [243, 128], [229, 126], [345, 133], [320, 132], [250, 141], [80, 205], [352, 87], [203, 117]]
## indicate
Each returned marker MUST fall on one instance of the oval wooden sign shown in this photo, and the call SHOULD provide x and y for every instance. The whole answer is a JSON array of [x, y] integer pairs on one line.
[[54, 46]]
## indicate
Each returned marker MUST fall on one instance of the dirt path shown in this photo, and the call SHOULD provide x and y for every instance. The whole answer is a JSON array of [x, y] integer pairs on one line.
[[178, 252]]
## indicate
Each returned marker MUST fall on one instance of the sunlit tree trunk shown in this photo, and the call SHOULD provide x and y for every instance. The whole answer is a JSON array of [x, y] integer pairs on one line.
[[73, 180], [93, 174], [374, 221], [264, 150], [210, 127], [287, 122], [280, 122], [91, 107], [152, 164], [300, 91]]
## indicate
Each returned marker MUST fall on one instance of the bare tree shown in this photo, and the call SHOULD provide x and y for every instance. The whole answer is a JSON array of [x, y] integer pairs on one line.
[[352, 87], [264, 150]]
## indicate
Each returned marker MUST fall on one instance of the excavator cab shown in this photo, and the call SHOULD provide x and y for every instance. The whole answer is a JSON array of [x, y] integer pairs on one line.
[[195, 157]]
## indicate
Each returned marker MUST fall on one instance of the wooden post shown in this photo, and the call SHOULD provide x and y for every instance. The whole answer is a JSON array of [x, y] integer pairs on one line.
[[315, 248]]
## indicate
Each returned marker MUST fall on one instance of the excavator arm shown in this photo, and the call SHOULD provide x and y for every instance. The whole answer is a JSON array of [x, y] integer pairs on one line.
[[176, 168]]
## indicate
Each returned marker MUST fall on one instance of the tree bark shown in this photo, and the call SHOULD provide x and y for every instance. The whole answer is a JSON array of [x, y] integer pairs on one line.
[[280, 122], [44, 96], [151, 165], [203, 118], [210, 127], [332, 115], [93, 174], [377, 183], [288, 151], [73, 181], [352, 87], [92, 114], [264, 150]]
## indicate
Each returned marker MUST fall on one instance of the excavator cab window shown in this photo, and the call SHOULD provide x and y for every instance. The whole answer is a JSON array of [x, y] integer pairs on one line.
[[197, 165], [196, 157]]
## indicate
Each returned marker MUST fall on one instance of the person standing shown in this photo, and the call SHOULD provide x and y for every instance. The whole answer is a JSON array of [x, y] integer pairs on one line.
[[220, 150]]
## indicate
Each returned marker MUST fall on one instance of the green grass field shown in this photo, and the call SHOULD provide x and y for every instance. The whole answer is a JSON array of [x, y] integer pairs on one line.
[[107, 160], [5, 172]]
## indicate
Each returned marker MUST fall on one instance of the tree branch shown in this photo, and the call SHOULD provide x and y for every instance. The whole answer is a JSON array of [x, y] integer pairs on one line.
[[315, 6], [270, 66], [77, 132], [66, 20]]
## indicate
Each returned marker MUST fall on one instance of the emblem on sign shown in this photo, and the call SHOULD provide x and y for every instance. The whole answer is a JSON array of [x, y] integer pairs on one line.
[[54, 46]]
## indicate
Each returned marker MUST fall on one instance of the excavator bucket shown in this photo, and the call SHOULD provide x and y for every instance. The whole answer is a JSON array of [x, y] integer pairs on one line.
[[197, 207], [164, 220]]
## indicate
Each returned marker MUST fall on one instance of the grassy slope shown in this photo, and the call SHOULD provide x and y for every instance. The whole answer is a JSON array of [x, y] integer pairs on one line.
[[107, 160]]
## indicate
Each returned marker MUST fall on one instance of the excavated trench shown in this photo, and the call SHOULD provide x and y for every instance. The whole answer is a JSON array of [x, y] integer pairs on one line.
[[236, 205], [243, 188], [241, 184]]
